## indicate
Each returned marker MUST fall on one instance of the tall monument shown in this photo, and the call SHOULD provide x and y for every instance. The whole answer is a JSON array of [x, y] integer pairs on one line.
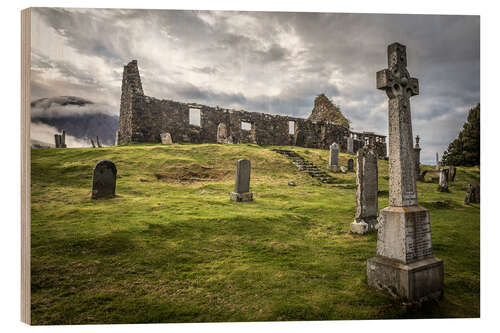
[[405, 266]]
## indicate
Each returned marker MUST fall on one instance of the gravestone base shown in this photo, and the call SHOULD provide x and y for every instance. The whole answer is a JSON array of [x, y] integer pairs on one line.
[[364, 226], [413, 283], [241, 197], [333, 168]]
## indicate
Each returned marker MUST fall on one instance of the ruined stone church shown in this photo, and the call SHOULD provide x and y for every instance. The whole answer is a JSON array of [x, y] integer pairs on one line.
[[144, 119]]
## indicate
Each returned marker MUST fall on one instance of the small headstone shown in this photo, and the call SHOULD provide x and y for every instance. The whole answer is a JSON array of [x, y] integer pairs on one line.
[[334, 157], [98, 142], [343, 169], [417, 150], [242, 184], [222, 133], [63, 139], [473, 194], [166, 138], [291, 183], [438, 164], [452, 173], [350, 165], [117, 138], [350, 145], [443, 181], [104, 180], [366, 192], [92, 142]]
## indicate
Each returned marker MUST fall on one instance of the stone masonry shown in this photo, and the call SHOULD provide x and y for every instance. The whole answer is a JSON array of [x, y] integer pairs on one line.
[[144, 118], [405, 266], [365, 219]]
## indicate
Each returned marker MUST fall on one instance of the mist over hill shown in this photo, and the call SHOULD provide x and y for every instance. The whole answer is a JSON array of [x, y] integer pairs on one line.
[[82, 119]]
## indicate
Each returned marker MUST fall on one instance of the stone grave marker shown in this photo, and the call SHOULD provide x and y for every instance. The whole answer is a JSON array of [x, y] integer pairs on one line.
[[333, 162], [350, 165], [473, 194], [104, 180], [242, 184], [92, 142], [350, 145], [98, 142], [443, 180], [417, 150], [452, 173], [405, 266], [365, 219], [166, 138]]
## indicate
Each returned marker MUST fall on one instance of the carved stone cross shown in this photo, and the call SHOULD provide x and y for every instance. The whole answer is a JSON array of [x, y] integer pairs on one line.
[[399, 86]]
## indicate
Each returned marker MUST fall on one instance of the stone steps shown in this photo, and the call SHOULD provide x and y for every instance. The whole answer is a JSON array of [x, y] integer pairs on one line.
[[306, 166]]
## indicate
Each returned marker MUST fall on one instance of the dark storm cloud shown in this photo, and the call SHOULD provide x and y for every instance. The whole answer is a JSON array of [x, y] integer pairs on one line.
[[267, 62]]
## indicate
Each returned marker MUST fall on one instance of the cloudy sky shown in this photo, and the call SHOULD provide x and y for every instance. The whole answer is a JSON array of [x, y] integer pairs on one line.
[[267, 62]]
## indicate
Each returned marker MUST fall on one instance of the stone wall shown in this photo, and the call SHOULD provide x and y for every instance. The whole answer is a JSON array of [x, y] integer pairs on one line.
[[143, 119]]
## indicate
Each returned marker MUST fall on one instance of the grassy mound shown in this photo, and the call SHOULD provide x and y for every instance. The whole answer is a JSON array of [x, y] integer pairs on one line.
[[172, 247]]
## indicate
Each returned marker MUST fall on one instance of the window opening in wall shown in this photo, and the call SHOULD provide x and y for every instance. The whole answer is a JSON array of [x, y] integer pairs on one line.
[[291, 127], [246, 126], [195, 117]]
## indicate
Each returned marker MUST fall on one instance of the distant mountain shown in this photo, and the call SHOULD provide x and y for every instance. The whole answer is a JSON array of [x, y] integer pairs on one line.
[[79, 117]]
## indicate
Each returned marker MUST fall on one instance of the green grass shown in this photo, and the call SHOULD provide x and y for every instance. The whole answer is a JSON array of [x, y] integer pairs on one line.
[[172, 247]]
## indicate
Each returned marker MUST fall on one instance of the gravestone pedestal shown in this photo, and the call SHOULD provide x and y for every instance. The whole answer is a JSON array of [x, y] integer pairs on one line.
[[241, 197], [405, 266]]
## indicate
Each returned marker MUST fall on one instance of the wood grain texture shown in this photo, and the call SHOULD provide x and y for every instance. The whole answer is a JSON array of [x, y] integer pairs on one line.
[[25, 166]]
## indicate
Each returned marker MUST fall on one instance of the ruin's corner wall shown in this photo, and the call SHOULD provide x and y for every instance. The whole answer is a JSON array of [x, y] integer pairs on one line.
[[143, 119]]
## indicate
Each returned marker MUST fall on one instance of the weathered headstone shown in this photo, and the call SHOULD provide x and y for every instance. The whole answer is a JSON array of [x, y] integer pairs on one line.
[[350, 145], [350, 165], [473, 194], [98, 142], [452, 173], [63, 139], [443, 181], [166, 138], [242, 184], [365, 219], [60, 140], [438, 164], [333, 162], [404, 266], [222, 133], [92, 142], [417, 150], [117, 133], [104, 180]]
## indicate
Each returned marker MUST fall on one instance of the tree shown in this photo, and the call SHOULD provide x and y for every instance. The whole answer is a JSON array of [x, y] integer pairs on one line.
[[464, 150]]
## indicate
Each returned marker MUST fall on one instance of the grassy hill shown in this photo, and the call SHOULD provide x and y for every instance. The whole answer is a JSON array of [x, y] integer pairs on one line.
[[172, 247]]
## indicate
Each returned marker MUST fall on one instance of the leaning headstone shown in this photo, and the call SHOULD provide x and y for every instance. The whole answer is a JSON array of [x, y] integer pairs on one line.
[[443, 181], [166, 138], [365, 219], [350, 165], [473, 194], [92, 142], [350, 145], [452, 173], [405, 266], [242, 184], [104, 180], [57, 140], [333, 162], [98, 142]]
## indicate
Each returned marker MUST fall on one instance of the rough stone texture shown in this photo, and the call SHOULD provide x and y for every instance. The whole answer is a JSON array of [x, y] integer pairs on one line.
[[325, 110], [438, 164], [417, 150], [116, 138], [365, 218], [350, 145], [452, 173], [104, 180], [473, 194], [143, 119], [443, 181], [242, 183], [350, 165], [334, 155], [166, 138], [404, 266]]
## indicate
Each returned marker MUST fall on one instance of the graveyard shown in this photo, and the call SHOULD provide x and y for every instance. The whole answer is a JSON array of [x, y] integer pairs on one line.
[[171, 245]]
